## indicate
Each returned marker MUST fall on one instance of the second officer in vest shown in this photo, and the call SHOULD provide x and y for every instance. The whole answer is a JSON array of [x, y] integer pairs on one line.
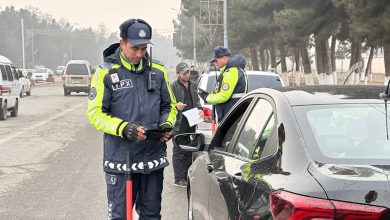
[[231, 84]]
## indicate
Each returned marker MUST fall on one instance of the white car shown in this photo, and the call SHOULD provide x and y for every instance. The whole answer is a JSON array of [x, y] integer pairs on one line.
[[25, 82], [41, 74], [9, 89], [256, 79]]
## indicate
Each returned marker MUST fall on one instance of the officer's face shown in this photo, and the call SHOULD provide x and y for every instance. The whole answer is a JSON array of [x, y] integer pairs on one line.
[[133, 53], [221, 61]]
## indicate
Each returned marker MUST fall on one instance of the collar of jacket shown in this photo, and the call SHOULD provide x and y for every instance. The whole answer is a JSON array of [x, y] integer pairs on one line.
[[222, 69], [130, 66]]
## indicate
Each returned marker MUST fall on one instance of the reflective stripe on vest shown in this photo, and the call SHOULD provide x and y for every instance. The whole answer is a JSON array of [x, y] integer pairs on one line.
[[238, 95]]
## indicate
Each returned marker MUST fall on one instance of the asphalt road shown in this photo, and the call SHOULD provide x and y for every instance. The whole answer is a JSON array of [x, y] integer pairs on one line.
[[51, 162]]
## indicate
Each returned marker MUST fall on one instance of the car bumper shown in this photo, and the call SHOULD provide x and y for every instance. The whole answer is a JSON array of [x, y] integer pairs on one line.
[[76, 88]]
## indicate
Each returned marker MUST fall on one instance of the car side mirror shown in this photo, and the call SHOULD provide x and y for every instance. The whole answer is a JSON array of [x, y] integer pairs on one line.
[[190, 142]]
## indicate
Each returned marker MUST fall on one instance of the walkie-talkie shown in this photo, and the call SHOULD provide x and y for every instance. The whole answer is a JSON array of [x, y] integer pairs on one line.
[[151, 76]]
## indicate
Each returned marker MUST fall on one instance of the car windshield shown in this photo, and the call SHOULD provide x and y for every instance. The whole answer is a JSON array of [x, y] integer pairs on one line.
[[355, 131], [77, 69], [41, 70]]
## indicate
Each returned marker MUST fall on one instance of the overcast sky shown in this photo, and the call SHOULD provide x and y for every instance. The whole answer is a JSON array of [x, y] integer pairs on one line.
[[91, 13]]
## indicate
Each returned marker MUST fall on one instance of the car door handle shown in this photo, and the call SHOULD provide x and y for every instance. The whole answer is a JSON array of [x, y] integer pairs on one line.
[[210, 167]]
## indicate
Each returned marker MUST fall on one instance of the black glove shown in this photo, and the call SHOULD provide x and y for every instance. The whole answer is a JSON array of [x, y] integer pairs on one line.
[[203, 95], [130, 132], [165, 127]]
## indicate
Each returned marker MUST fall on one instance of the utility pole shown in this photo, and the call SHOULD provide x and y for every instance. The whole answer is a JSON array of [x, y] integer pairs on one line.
[[23, 56], [225, 34], [194, 40]]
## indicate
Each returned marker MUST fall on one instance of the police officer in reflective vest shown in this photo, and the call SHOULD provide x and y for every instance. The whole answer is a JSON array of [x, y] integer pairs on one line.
[[129, 95], [232, 83]]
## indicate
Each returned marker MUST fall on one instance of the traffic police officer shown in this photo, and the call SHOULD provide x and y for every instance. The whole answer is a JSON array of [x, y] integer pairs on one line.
[[129, 95], [232, 83]]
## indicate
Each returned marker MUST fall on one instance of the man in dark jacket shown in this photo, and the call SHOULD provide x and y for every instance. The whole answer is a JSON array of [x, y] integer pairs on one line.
[[232, 83], [187, 98], [130, 95]]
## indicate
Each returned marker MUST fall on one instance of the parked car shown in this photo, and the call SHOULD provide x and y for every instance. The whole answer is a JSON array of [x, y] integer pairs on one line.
[[77, 76], [256, 79], [41, 74], [9, 89], [60, 70], [314, 152], [24, 80]]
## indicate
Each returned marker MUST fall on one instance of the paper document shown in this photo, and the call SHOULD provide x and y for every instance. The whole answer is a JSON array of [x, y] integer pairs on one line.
[[193, 116]]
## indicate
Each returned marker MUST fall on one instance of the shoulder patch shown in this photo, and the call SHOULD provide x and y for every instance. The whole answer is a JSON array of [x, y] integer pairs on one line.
[[105, 65], [92, 93], [225, 86], [157, 62]]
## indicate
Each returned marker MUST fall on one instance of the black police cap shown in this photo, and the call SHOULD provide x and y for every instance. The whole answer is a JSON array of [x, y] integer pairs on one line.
[[136, 31], [220, 52]]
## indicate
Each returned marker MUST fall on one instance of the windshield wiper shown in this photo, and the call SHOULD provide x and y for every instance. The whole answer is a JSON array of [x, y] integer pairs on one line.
[[385, 96]]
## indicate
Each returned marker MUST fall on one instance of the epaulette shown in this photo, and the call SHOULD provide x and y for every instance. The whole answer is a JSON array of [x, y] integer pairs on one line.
[[105, 65], [157, 62]]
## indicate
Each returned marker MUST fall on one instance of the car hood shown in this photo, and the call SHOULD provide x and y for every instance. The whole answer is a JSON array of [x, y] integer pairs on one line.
[[365, 184]]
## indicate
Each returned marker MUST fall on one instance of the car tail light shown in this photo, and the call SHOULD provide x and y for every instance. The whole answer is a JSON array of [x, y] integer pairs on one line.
[[1, 90], [286, 205], [63, 78]]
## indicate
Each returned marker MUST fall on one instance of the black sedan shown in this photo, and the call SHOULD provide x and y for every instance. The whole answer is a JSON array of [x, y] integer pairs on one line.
[[315, 152]]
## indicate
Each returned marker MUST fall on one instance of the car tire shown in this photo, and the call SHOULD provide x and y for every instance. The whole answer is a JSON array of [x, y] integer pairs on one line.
[[28, 93], [190, 209], [65, 93], [68, 92], [3, 111], [15, 109], [21, 92]]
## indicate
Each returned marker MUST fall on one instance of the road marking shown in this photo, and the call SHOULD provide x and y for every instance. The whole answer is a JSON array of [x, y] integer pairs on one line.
[[40, 123]]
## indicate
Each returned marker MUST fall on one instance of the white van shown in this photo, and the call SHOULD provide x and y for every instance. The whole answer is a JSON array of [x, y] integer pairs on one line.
[[77, 76], [9, 88]]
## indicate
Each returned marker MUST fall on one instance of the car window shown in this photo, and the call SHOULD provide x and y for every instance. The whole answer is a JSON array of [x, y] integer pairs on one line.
[[263, 81], [252, 128], [229, 128], [3, 72], [77, 69], [15, 73], [261, 150], [9, 73]]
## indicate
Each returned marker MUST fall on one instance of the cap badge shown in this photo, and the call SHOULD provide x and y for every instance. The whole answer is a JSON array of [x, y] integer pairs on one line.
[[142, 33]]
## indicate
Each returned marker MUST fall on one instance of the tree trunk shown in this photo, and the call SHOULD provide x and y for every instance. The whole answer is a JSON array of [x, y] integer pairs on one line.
[[386, 56], [306, 63], [296, 57], [262, 57], [268, 58], [255, 59], [333, 53], [369, 63], [282, 52], [333, 59], [273, 55], [327, 63], [319, 59], [356, 62]]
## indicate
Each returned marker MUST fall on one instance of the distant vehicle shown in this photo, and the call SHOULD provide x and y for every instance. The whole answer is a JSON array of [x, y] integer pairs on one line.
[[24, 79], [41, 74], [77, 76], [310, 152], [9, 89], [60, 70]]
